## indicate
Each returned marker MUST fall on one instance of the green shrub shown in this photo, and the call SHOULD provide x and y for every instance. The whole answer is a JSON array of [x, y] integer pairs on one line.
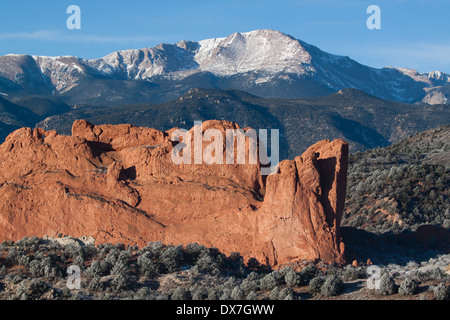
[[95, 285], [252, 296], [278, 276], [120, 283], [332, 286], [143, 293], [181, 294], [192, 252], [147, 267], [408, 287], [32, 289], [213, 294], [237, 293], [293, 279], [95, 269], [201, 293], [315, 284], [387, 285], [286, 294], [155, 249], [309, 272], [353, 273], [119, 267], [207, 264], [172, 259], [274, 293], [249, 285], [268, 282], [441, 292]]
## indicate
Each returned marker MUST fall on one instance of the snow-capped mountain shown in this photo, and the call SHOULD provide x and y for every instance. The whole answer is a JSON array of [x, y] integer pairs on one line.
[[263, 62]]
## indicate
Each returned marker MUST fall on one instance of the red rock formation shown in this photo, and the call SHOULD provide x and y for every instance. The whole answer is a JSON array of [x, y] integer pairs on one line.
[[119, 184]]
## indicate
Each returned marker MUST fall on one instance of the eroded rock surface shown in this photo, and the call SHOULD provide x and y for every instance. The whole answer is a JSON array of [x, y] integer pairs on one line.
[[118, 183]]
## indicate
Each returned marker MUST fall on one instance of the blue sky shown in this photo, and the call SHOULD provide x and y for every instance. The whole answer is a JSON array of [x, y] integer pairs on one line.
[[414, 33]]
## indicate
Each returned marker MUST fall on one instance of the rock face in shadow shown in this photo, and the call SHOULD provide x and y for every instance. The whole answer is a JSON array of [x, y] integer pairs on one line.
[[118, 183]]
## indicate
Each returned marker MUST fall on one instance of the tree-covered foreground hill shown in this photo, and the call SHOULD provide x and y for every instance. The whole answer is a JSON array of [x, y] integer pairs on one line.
[[402, 186]]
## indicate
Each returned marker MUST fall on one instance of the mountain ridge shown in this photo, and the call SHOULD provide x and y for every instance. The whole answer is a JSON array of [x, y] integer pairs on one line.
[[364, 121], [264, 62]]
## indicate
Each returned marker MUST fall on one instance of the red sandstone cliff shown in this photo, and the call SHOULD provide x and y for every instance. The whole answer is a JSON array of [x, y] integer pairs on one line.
[[118, 183]]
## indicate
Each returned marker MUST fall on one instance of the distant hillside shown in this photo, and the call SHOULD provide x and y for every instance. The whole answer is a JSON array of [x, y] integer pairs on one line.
[[13, 117], [26, 112], [364, 121], [402, 186], [43, 107]]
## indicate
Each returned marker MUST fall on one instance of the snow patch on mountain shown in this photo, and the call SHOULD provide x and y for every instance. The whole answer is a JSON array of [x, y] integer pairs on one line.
[[261, 50]]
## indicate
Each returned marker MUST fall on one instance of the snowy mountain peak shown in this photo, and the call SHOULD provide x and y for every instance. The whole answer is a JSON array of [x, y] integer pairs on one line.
[[261, 50], [438, 77], [264, 62]]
